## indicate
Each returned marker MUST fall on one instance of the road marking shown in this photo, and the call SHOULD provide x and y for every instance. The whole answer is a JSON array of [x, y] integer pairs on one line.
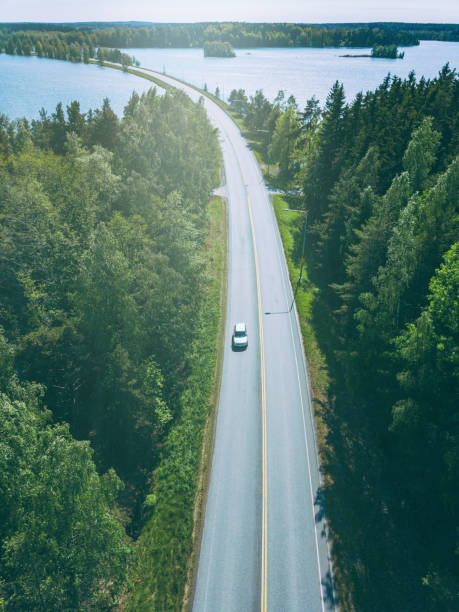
[[264, 521], [264, 495], [286, 282], [264, 478]]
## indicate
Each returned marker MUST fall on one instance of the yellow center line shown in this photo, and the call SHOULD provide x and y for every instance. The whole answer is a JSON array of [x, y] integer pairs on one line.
[[264, 494], [264, 523]]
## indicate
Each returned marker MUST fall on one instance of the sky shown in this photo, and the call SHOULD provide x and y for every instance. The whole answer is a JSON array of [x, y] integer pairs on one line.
[[299, 11]]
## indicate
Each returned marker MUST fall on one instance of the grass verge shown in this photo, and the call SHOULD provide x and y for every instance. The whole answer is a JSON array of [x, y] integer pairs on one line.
[[168, 546], [289, 228], [317, 365]]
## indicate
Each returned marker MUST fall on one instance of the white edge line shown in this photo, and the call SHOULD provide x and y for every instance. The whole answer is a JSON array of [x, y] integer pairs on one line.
[[288, 288], [305, 436]]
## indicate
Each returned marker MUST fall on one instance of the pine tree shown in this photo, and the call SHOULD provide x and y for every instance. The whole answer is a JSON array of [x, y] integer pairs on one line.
[[324, 165]]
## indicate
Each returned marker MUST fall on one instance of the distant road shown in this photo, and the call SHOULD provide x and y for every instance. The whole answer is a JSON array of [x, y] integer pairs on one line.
[[264, 544]]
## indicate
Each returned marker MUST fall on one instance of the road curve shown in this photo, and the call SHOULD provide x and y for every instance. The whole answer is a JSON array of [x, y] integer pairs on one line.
[[264, 543]]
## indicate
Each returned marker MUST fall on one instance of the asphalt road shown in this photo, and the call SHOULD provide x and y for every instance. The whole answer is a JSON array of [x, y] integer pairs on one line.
[[264, 544]]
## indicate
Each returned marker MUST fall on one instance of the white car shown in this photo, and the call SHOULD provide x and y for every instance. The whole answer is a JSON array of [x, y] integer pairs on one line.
[[240, 340]]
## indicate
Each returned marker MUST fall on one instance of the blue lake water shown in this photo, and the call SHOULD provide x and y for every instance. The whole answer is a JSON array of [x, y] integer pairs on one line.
[[301, 72], [29, 83]]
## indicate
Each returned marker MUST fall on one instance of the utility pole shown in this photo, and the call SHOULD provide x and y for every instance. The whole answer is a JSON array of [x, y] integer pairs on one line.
[[302, 250], [302, 260]]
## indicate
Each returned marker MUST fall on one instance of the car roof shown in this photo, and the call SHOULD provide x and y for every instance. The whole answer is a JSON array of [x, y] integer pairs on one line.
[[239, 327]]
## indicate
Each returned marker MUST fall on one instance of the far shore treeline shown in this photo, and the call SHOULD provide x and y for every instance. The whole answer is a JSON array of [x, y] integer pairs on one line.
[[235, 34], [58, 46]]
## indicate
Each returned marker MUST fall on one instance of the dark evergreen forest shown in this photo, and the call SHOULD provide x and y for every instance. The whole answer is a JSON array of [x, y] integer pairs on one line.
[[102, 272], [379, 179], [381, 187]]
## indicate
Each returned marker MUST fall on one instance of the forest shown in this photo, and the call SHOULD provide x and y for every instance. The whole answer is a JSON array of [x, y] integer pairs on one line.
[[237, 34], [198, 34], [379, 179], [59, 46], [102, 275], [424, 31], [102, 272], [381, 188]]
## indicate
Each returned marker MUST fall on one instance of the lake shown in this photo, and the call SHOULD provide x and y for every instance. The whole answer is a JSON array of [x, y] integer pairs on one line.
[[30, 83], [300, 72]]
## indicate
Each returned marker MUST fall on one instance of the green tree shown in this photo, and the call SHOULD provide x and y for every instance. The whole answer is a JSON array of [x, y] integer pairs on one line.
[[426, 424], [238, 101], [311, 114], [420, 154], [75, 119], [284, 143], [61, 545], [258, 111], [105, 126], [370, 251], [58, 129], [59, 551], [348, 210], [324, 162]]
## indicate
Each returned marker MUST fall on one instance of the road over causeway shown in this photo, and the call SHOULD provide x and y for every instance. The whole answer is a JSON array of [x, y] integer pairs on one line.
[[264, 543]]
